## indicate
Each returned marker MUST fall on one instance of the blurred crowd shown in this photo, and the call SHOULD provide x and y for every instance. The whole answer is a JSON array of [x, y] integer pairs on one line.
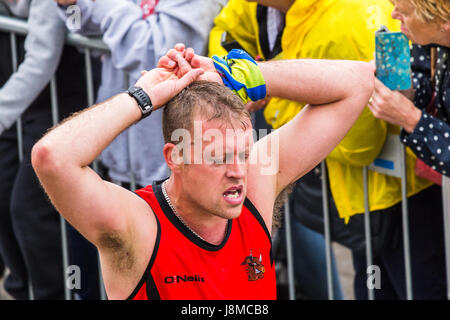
[[138, 33]]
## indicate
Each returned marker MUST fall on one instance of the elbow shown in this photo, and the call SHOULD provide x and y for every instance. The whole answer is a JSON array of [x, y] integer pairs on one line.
[[361, 84], [366, 79], [43, 159]]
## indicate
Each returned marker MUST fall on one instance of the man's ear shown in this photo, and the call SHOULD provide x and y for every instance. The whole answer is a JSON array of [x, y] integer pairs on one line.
[[173, 156]]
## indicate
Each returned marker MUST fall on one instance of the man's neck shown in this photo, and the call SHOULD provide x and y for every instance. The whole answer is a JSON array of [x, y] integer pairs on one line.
[[209, 227]]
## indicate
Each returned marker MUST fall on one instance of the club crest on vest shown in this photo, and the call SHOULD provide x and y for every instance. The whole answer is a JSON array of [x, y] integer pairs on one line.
[[254, 268]]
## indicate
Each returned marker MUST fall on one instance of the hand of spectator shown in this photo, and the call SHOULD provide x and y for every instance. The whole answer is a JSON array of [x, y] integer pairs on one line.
[[409, 93], [254, 106], [170, 61], [162, 84], [66, 2], [394, 107]]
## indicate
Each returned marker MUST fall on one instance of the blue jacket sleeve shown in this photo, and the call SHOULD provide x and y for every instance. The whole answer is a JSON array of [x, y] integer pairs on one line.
[[430, 141]]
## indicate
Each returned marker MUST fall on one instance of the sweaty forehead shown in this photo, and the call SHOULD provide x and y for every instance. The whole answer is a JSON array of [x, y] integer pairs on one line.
[[237, 134]]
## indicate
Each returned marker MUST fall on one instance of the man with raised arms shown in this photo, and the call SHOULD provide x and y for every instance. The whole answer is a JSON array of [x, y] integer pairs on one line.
[[204, 233]]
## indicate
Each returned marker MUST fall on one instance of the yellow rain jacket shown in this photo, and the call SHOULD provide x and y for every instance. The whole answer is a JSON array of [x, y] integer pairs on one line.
[[329, 29]]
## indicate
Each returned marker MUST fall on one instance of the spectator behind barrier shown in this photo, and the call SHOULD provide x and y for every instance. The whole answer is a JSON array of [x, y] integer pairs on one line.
[[263, 24], [425, 121], [138, 33], [425, 126], [30, 238], [184, 230], [322, 29]]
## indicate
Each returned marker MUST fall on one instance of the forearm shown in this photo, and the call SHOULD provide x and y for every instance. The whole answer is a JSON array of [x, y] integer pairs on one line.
[[336, 92], [316, 82], [81, 138]]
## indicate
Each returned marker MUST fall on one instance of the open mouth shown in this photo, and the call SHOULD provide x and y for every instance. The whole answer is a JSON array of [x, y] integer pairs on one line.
[[233, 195]]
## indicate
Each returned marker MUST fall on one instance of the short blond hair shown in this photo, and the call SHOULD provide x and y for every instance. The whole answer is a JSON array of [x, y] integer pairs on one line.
[[432, 10]]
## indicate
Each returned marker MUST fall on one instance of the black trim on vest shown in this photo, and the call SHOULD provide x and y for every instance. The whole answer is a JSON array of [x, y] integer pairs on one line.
[[167, 210], [152, 290], [249, 205], [147, 278]]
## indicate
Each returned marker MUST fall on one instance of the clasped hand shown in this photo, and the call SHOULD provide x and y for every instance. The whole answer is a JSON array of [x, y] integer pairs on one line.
[[393, 107], [174, 72]]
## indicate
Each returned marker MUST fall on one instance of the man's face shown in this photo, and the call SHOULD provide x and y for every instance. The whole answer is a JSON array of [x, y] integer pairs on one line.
[[416, 30], [215, 178]]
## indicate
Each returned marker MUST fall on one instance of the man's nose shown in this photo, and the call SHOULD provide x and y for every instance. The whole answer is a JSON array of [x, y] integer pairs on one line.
[[236, 169]]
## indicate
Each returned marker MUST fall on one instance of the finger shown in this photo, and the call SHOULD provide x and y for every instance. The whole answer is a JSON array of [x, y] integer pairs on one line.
[[375, 100], [184, 66], [259, 105], [172, 54], [378, 107], [195, 62], [374, 109], [381, 92], [189, 77], [203, 62], [189, 54], [380, 88], [180, 47], [166, 62]]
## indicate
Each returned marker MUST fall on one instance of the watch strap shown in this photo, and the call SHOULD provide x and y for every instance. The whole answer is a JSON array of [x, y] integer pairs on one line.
[[142, 99]]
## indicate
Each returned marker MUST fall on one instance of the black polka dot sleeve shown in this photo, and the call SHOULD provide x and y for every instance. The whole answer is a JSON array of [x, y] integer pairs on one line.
[[430, 140]]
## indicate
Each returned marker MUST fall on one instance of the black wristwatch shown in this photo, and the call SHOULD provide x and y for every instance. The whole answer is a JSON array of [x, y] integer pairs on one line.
[[142, 99]]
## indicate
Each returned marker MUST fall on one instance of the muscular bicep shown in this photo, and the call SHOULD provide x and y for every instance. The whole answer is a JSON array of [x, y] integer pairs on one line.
[[288, 153], [313, 133], [118, 222], [93, 206]]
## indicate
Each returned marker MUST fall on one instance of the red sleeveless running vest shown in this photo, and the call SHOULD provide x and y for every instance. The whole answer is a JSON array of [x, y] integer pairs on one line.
[[184, 267]]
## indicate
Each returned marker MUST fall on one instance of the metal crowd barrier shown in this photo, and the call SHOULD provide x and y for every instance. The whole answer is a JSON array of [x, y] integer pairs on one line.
[[19, 27]]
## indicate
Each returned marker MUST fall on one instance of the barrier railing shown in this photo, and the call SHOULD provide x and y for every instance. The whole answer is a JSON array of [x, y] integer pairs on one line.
[[19, 27]]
